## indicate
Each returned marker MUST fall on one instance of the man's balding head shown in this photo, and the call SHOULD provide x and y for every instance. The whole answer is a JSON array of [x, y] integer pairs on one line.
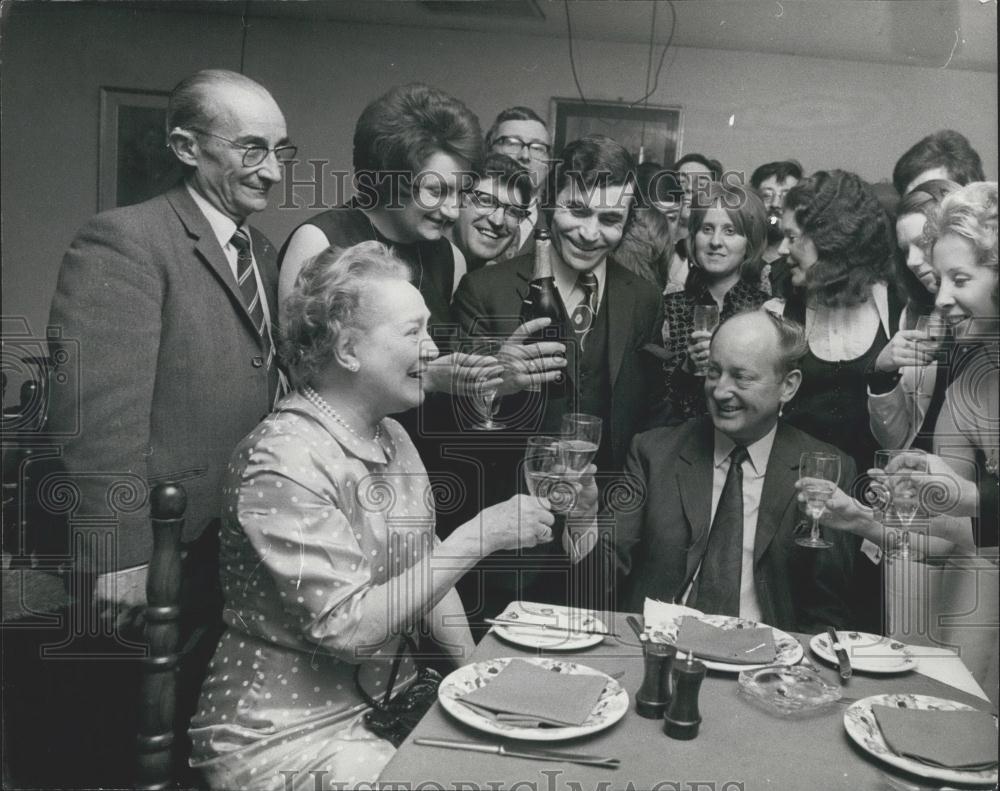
[[752, 372]]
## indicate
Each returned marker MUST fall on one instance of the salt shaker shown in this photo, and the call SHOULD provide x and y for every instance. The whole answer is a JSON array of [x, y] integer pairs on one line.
[[683, 718], [653, 696]]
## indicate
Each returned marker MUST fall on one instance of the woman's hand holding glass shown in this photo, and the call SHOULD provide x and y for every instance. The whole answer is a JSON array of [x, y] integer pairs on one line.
[[938, 489], [521, 522], [705, 319], [897, 490]]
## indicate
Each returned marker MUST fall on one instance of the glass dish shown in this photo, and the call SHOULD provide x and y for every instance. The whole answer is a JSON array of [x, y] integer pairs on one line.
[[788, 691]]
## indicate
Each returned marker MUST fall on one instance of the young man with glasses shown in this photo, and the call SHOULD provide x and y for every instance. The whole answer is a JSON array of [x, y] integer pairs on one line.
[[491, 212], [520, 133]]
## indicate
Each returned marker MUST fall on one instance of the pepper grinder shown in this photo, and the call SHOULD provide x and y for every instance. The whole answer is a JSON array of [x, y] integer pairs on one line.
[[653, 696], [683, 718]]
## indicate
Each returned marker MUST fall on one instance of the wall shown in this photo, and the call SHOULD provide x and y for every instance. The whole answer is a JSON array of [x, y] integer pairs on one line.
[[826, 113]]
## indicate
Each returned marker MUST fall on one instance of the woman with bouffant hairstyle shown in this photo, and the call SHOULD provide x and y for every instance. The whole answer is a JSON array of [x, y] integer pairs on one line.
[[839, 243], [838, 240]]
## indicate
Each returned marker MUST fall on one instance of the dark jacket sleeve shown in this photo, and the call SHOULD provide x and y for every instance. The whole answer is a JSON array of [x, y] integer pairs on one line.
[[826, 592]]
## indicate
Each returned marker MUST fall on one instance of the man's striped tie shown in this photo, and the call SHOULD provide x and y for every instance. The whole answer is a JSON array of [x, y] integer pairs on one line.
[[248, 288]]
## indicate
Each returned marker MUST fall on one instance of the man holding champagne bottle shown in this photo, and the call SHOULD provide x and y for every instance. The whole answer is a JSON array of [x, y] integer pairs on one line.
[[587, 357]]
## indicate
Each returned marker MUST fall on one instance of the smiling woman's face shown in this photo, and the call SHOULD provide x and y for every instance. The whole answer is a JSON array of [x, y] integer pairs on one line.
[[718, 247], [587, 225], [967, 294], [393, 346]]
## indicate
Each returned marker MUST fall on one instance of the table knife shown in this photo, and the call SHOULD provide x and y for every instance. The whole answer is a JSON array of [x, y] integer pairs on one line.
[[842, 659], [548, 626], [521, 752]]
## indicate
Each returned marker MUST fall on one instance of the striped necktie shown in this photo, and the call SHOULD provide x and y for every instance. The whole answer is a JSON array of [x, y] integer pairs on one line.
[[247, 281], [584, 313]]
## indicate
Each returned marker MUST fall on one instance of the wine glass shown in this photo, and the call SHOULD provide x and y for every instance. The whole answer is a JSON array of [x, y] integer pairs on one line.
[[706, 319], [935, 328], [545, 472], [902, 492], [820, 473], [484, 396], [581, 437]]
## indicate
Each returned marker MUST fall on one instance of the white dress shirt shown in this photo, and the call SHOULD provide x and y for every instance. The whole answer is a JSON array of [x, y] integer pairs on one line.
[[223, 228], [754, 470]]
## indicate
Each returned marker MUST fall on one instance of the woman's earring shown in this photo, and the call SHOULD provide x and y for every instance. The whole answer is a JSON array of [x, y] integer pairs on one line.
[[781, 408], [353, 366]]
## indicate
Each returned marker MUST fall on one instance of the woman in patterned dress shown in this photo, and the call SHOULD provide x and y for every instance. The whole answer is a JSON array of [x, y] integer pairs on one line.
[[328, 552], [728, 231]]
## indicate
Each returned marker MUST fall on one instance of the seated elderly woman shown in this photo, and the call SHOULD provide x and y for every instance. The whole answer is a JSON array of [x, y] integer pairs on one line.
[[328, 552]]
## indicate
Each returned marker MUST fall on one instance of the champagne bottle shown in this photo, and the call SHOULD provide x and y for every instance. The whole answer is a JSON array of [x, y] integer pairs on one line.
[[543, 301]]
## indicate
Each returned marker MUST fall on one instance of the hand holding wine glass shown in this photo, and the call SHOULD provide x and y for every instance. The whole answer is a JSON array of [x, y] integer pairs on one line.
[[819, 473], [705, 319], [545, 472], [901, 486]]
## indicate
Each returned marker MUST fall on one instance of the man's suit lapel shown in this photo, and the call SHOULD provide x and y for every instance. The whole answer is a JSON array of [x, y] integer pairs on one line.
[[694, 482], [620, 308], [778, 492], [206, 247]]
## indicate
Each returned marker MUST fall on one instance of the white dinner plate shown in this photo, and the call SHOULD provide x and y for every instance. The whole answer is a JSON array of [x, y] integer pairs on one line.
[[610, 707], [869, 653], [860, 724], [788, 649], [533, 617]]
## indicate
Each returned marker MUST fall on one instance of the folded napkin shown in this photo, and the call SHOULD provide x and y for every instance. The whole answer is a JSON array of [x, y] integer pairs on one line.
[[527, 695], [971, 741], [733, 646]]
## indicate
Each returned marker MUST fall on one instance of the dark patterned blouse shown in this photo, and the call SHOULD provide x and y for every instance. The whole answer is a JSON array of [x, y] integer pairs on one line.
[[686, 391]]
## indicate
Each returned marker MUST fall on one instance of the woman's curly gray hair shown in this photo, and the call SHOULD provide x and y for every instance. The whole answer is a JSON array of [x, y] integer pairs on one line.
[[327, 300]]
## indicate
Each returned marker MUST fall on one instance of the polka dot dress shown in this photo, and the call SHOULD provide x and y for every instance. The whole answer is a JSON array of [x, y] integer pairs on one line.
[[313, 517]]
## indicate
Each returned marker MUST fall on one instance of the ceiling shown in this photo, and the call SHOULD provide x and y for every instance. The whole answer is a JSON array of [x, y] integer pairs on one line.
[[959, 34]]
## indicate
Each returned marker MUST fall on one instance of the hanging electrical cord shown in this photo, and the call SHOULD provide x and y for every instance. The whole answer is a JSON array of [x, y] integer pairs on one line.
[[663, 55], [659, 67], [572, 61], [649, 73], [243, 41]]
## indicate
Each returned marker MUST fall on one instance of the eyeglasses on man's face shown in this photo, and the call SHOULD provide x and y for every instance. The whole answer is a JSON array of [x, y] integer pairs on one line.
[[486, 203], [513, 146], [255, 155]]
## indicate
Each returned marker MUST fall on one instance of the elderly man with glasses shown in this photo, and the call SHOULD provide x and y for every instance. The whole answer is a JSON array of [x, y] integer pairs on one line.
[[172, 305], [520, 133]]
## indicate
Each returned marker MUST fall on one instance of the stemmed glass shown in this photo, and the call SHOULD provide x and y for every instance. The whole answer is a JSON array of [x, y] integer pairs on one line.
[[581, 437], [706, 319], [485, 396], [820, 473], [935, 328], [902, 492], [545, 472]]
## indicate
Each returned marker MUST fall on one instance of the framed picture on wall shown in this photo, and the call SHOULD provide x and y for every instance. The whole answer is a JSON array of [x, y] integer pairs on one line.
[[134, 163], [655, 130]]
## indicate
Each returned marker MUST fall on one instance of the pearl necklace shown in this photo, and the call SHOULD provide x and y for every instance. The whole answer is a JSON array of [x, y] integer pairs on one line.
[[323, 405]]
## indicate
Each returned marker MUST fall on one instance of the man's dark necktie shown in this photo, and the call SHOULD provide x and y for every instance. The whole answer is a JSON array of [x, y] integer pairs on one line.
[[584, 313], [717, 589], [248, 288]]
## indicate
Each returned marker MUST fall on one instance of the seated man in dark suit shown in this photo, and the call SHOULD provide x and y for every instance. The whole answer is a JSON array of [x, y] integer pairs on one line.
[[720, 537]]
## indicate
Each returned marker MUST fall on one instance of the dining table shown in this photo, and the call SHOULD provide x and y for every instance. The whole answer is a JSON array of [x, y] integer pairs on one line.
[[740, 746]]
